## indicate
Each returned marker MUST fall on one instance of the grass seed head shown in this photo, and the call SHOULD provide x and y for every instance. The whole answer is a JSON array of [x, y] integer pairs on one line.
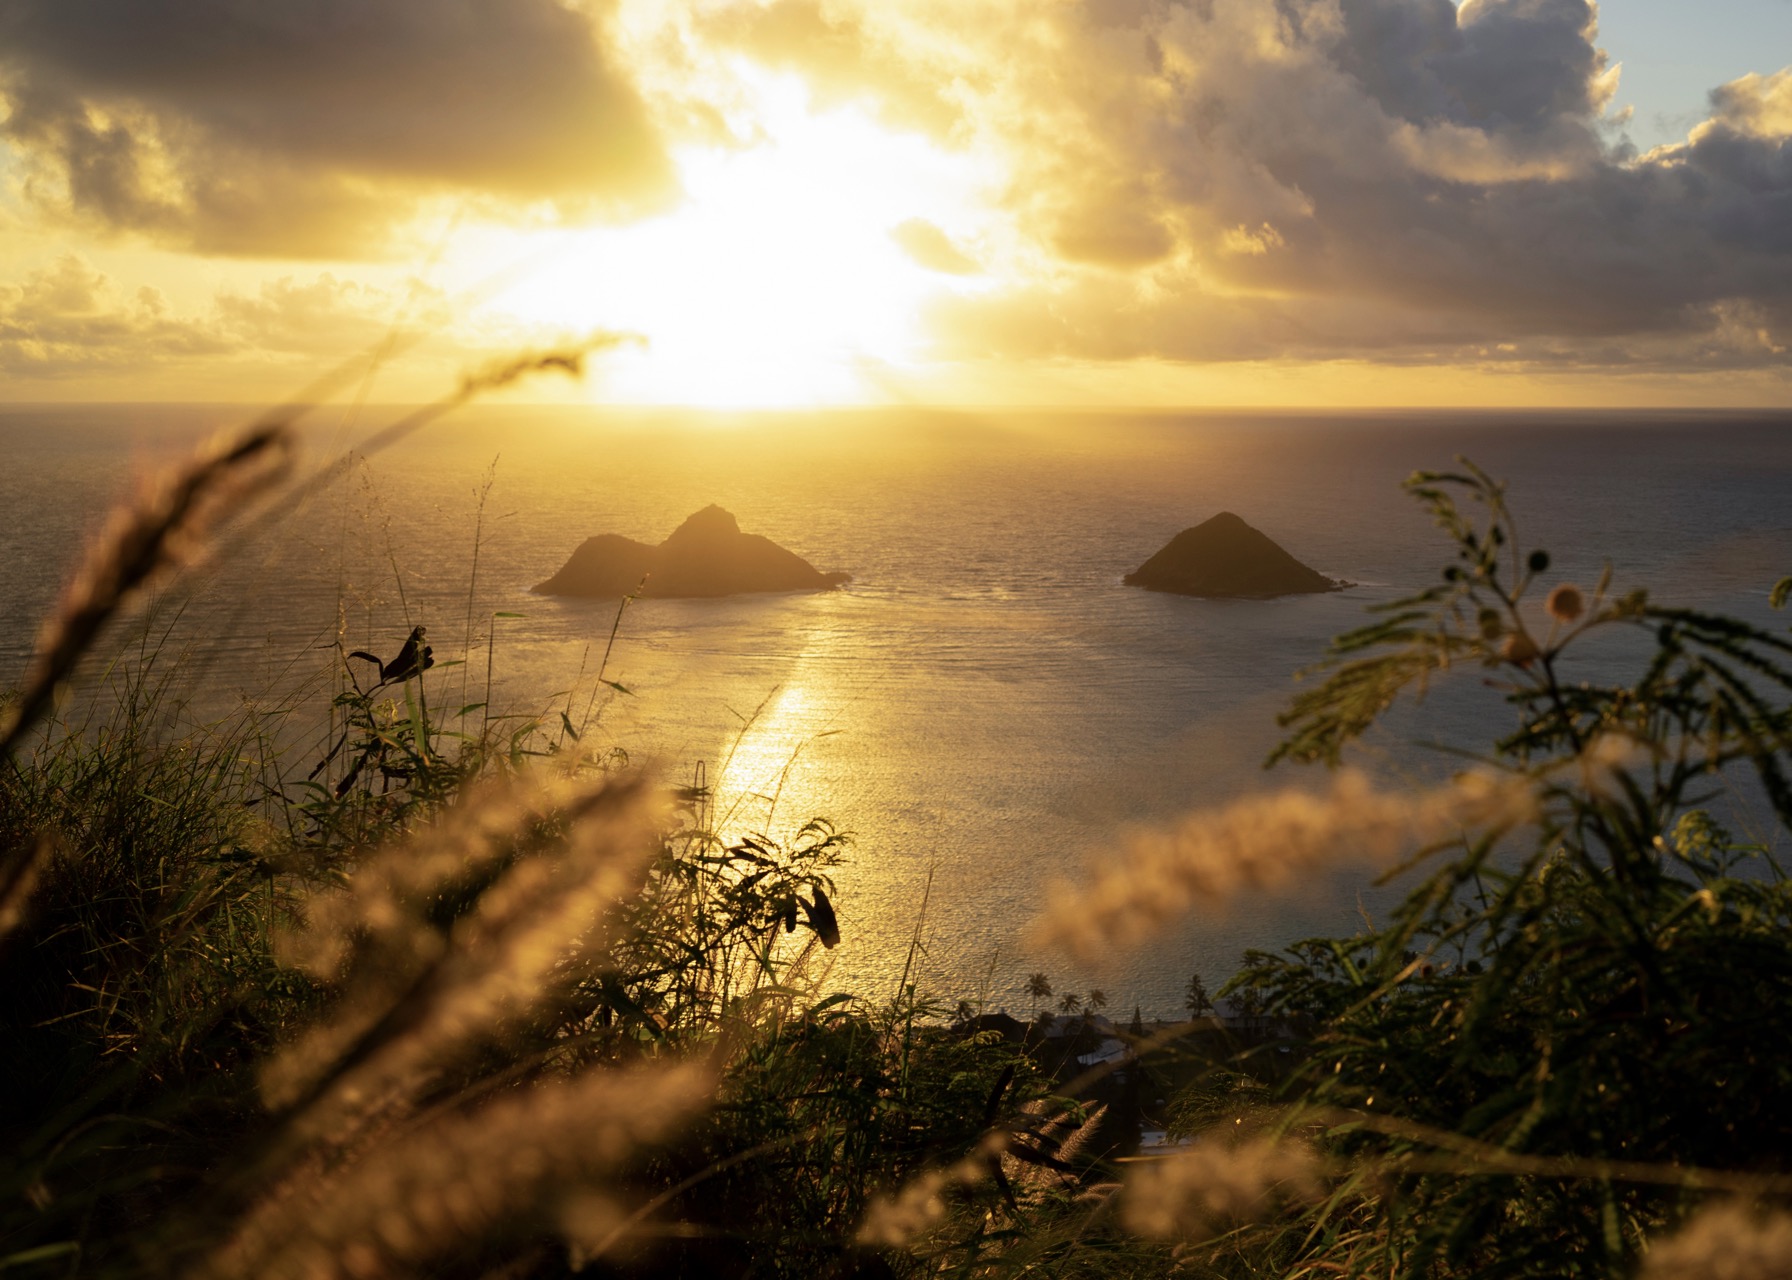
[[167, 526], [1213, 1184], [1724, 1242], [546, 862], [1263, 844], [444, 1187]]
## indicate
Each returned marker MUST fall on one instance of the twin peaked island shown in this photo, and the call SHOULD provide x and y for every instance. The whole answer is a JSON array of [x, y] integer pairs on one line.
[[708, 555]]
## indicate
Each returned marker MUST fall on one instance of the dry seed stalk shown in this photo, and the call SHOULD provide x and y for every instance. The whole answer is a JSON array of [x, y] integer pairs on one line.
[[533, 932], [163, 529], [449, 1185], [1265, 843], [1727, 1241], [20, 869], [1214, 1183]]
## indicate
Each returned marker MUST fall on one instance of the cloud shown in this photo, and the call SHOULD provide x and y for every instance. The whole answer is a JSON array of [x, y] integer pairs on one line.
[[325, 318], [1404, 181], [1399, 180], [846, 55], [1757, 105], [308, 127], [927, 245], [70, 322]]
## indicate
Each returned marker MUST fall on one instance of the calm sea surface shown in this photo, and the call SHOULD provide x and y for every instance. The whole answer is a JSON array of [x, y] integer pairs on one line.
[[986, 705]]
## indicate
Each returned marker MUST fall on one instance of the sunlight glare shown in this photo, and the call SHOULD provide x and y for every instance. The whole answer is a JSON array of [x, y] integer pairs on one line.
[[776, 282]]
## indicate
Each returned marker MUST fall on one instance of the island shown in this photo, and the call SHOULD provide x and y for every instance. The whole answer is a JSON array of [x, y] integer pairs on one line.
[[707, 555], [1225, 557]]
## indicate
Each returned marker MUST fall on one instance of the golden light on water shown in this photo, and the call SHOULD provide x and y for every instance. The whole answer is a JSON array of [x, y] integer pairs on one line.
[[780, 279], [762, 761]]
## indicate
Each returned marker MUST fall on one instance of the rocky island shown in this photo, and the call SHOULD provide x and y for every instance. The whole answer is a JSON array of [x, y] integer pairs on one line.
[[1225, 557], [707, 555]]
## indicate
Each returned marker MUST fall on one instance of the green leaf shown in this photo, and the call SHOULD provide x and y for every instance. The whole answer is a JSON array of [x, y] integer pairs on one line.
[[831, 1002], [43, 1253]]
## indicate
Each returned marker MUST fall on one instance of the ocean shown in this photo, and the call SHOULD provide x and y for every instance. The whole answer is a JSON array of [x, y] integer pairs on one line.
[[986, 706]]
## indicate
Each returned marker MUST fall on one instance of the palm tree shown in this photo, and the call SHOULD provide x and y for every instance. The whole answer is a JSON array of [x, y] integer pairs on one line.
[[1249, 1003], [1070, 1002], [1040, 988], [1196, 1000], [1096, 1000]]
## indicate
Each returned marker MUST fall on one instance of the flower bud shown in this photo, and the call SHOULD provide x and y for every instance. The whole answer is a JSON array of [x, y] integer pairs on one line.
[[1564, 603], [1519, 649]]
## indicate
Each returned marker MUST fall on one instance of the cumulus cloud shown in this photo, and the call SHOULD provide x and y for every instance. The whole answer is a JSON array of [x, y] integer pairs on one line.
[[847, 54], [1402, 180], [70, 321], [1758, 105], [237, 126]]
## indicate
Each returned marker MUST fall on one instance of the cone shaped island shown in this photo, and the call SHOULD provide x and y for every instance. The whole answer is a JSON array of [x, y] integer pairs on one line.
[[1226, 558], [707, 555]]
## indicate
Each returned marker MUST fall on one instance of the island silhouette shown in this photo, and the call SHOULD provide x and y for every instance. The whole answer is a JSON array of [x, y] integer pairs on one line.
[[707, 555], [1226, 558]]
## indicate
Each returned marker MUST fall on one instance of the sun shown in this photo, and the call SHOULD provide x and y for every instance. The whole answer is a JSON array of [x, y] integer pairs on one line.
[[777, 280]]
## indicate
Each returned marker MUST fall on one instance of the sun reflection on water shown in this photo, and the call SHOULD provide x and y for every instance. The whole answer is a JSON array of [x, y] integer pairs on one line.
[[751, 782]]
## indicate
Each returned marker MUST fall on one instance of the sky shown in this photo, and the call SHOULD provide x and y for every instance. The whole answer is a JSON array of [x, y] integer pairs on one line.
[[817, 202]]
